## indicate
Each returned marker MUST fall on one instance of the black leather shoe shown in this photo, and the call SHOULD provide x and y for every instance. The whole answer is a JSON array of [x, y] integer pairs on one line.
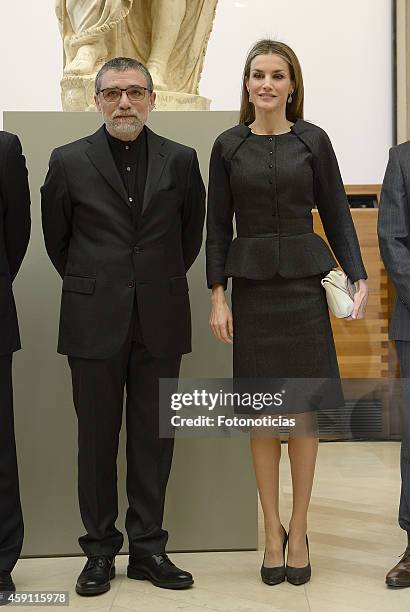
[[7, 587], [96, 575], [275, 575], [299, 575], [160, 570]]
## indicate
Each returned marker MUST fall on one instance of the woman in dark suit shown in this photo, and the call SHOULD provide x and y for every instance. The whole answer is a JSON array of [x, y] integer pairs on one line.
[[270, 171]]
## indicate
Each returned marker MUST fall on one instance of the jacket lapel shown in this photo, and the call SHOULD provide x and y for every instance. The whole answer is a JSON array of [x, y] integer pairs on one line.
[[157, 158], [101, 157], [303, 130]]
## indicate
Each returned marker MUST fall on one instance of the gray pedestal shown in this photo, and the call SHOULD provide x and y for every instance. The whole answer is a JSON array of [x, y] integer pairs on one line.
[[211, 499]]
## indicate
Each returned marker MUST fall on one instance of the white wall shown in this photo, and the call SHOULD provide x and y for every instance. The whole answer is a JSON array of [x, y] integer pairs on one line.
[[31, 56], [344, 47]]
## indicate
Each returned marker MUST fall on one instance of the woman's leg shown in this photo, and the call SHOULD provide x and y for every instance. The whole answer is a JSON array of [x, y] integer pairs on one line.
[[266, 453], [302, 450]]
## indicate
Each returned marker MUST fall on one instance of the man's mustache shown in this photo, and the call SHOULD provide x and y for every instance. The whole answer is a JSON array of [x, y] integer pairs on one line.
[[124, 115]]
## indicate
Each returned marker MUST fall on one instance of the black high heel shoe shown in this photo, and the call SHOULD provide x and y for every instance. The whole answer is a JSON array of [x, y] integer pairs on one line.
[[299, 575], [275, 575]]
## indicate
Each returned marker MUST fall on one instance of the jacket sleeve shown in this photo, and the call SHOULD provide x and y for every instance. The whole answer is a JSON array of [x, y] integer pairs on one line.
[[219, 218], [334, 211], [393, 228], [56, 213], [193, 213], [16, 195]]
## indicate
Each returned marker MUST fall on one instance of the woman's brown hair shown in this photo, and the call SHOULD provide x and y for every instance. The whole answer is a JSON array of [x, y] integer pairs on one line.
[[294, 110]]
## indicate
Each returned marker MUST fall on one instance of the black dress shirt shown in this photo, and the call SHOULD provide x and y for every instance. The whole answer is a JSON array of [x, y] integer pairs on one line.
[[131, 160]]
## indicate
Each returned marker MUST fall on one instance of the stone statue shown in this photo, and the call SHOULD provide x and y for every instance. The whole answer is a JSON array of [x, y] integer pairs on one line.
[[168, 36]]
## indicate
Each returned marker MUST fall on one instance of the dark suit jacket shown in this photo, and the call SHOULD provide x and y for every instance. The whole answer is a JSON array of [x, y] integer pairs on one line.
[[103, 259], [14, 234], [280, 242], [394, 235]]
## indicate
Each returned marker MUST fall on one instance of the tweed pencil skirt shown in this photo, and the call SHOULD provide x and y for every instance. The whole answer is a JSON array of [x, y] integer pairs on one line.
[[282, 331]]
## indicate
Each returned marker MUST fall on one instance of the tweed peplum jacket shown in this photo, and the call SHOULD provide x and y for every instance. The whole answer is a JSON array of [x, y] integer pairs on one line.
[[272, 203]]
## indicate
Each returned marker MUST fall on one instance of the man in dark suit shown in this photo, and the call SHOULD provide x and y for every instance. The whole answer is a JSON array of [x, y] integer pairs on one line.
[[14, 237], [123, 213], [394, 240]]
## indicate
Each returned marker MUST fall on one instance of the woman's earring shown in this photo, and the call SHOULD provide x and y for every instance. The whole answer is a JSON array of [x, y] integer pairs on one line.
[[290, 97], [250, 99]]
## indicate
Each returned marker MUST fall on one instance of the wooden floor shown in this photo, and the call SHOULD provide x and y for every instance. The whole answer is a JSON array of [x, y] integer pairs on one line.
[[354, 540]]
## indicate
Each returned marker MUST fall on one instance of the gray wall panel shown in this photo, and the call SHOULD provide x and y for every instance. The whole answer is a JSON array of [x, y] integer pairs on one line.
[[211, 500]]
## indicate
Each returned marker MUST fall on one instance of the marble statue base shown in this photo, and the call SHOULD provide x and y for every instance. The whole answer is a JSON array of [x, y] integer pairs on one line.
[[175, 100], [77, 94]]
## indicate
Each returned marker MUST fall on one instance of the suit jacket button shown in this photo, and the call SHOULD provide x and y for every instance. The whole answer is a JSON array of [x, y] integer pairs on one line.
[[131, 284], [137, 249]]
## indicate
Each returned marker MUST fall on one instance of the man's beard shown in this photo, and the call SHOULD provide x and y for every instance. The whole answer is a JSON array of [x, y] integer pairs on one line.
[[125, 125]]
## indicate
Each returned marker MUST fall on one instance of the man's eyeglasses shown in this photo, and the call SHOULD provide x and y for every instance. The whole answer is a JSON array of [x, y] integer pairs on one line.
[[134, 93]]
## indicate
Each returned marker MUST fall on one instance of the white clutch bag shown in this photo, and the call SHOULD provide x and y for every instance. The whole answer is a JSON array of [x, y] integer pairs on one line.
[[339, 293]]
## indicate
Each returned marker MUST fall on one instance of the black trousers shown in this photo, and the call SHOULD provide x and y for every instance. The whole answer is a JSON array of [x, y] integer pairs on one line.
[[98, 391], [403, 351], [11, 519]]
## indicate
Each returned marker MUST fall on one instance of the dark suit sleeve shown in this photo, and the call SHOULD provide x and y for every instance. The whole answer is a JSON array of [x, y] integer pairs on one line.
[[16, 195], [219, 218], [56, 212], [393, 228], [193, 213], [334, 210]]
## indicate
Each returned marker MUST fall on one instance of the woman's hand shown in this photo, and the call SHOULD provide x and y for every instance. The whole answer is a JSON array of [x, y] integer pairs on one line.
[[221, 321], [359, 301]]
